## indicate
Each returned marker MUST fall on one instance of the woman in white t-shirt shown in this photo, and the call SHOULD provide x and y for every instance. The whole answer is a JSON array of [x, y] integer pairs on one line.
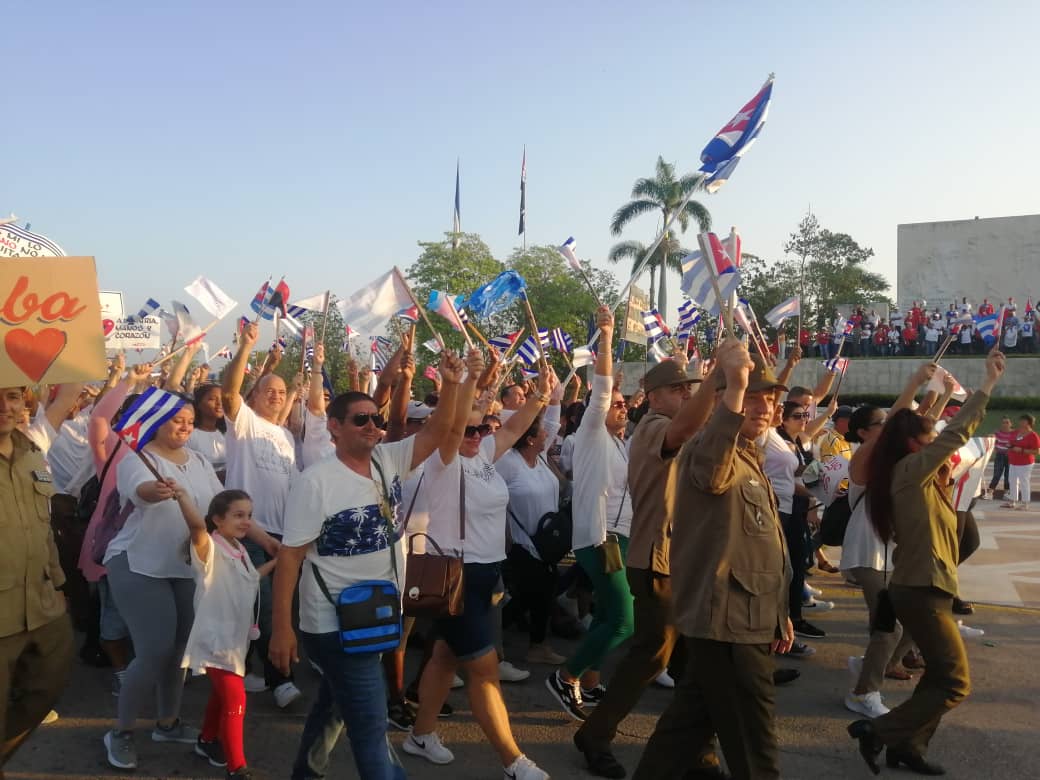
[[534, 491], [462, 472], [207, 438], [150, 576]]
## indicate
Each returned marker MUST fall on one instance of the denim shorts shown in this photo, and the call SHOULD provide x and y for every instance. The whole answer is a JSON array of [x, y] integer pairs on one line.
[[471, 634], [113, 628]]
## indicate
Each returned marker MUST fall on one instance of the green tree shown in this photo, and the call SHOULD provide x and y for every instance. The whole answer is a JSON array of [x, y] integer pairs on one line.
[[663, 194], [636, 251]]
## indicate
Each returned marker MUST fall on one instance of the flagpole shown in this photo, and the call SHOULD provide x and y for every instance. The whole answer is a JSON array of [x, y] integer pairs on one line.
[[421, 310], [534, 328], [325, 314], [186, 344], [478, 334]]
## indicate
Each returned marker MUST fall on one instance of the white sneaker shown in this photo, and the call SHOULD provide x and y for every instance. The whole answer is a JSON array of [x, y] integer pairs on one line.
[[855, 666], [524, 769], [285, 694], [428, 746], [457, 682], [814, 591], [664, 680], [818, 606], [569, 605], [254, 683], [868, 704], [509, 673], [968, 632]]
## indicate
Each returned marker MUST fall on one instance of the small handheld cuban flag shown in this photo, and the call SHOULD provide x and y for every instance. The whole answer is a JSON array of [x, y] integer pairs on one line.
[[382, 351], [567, 250], [723, 152], [837, 365], [503, 342], [261, 302], [654, 326], [700, 267], [140, 422], [987, 328], [224, 352], [151, 306], [689, 315], [528, 351], [409, 314], [560, 341]]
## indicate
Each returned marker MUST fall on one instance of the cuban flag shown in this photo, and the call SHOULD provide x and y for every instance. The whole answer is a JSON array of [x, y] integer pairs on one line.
[[151, 306], [790, 308], [654, 326], [528, 373], [433, 345], [261, 302], [409, 314], [723, 152], [987, 328], [528, 351], [444, 304], [583, 356], [140, 422], [689, 315], [503, 342], [837, 365], [224, 352], [567, 250], [349, 334], [382, 351], [560, 341], [698, 273]]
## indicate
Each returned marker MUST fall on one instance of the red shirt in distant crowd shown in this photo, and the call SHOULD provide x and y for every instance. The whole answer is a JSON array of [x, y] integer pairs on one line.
[[806, 338], [881, 335], [1027, 440], [985, 308], [910, 334]]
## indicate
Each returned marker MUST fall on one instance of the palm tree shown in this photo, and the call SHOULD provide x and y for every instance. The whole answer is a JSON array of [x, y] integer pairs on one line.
[[665, 194]]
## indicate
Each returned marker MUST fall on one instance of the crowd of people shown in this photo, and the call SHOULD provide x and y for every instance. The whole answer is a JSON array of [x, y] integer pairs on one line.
[[920, 331], [260, 519]]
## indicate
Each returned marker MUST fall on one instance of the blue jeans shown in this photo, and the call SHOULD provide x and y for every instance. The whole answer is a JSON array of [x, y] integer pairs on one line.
[[352, 693]]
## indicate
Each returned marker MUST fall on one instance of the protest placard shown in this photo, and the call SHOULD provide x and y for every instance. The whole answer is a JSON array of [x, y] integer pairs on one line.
[[50, 321], [138, 334], [19, 242], [111, 310], [638, 302]]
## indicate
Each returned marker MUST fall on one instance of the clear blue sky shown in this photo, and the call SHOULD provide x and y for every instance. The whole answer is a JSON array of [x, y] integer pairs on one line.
[[319, 139]]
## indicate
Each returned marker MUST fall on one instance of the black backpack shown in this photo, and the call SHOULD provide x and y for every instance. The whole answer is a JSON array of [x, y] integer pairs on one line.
[[90, 493], [836, 519], [552, 536]]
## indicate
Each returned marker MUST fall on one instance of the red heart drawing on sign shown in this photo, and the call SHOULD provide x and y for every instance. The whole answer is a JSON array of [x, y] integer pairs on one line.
[[34, 353], [108, 325]]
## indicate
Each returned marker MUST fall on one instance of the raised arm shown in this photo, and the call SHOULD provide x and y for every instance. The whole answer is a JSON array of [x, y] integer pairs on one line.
[[824, 385], [821, 420], [235, 373], [395, 430], [200, 538], [788, 369], [175, 380], [923, 374], [316, 394], [439, 424], [949, 383], [693, 414], [466, 391], [64, 401]]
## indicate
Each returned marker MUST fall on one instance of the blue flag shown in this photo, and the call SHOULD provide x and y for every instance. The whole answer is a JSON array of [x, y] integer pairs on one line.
[[497, 295]]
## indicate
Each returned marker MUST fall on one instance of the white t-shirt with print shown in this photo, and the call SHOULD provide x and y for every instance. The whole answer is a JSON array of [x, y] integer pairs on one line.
[[486, 499], [261, 460], [334, 512]]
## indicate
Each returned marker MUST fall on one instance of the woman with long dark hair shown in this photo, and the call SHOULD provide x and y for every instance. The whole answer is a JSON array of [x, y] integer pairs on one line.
[[909, 504], [207, 438]]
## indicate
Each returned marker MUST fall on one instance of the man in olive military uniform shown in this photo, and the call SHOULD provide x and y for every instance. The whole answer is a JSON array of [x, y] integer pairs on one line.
[[35, 630], [730, 573]]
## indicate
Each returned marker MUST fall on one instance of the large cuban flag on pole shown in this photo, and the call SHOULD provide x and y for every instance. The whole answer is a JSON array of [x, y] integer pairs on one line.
[[722, 154]]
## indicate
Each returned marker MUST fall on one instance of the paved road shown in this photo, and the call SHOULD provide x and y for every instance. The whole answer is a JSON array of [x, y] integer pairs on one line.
[[994, 734]]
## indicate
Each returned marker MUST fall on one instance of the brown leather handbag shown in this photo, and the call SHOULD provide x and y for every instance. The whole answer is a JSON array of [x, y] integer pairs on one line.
[[433, 584]]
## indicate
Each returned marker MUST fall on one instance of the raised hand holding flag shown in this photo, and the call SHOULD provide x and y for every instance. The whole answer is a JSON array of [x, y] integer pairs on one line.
[[566, 249]]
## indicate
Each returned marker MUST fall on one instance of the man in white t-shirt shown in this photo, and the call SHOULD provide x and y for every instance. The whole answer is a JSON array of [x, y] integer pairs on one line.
[[343, 522], [261, 460]]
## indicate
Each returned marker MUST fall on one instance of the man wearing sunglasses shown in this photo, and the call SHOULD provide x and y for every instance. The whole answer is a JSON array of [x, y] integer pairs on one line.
[[675, 415], [729, 579], [344, 516]]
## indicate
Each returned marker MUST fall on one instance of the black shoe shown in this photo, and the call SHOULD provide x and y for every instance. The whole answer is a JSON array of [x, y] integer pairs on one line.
[[242, 773], [807, 629], [567, 694], [870, 744], [601, 762], [412, 695], [400, 715], [784, 676], [912, 761], [963, 607], [211, 751]]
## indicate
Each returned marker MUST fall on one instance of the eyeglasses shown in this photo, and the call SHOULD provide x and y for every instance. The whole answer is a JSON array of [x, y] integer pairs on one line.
[[619, 405], [800, 415], [361, 420], [475, 430]]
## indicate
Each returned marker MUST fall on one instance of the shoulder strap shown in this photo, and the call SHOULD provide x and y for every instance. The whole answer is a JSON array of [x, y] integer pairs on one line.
[[462, 506], [861, 497], [108, 463], [321, 584], [390, 540], [411, 506]]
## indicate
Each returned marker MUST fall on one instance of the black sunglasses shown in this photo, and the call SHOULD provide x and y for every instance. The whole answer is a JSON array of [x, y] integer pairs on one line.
[[361, 420], [473, 430]]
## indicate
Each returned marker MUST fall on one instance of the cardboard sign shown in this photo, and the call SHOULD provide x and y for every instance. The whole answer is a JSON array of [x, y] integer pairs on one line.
[[633, 331], [50, 321], [139, 334], [111, 311]]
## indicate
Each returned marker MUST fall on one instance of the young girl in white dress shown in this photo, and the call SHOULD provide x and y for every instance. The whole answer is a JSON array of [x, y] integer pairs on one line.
[[226, 587]]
